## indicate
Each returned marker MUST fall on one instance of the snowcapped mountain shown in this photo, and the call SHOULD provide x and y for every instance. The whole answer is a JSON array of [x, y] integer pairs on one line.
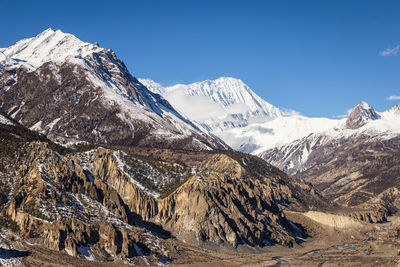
[[48, 46], [306, 152], [75, 91], [350, 163], [232, 111], [392, 112], [220, 104]]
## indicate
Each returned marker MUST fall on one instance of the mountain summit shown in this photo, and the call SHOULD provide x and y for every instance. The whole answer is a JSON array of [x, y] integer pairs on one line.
[[48, 46], [74, 91], [222, 103], [360, 115], [394, 111]]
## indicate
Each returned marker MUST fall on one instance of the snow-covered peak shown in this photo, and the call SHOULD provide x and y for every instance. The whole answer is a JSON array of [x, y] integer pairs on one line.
[[364, 105], [393, 111], [153, 86], [60, 62], [217, 104], [360, 115], [228, 91], [54, 46], [367, 112]]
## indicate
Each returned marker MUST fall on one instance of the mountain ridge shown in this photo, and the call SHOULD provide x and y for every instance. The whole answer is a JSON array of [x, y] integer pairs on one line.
[[266, 133], [99, 87]]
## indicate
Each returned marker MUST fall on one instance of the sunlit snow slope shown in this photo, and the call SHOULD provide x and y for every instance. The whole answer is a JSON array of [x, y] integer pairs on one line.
[[232, 111]]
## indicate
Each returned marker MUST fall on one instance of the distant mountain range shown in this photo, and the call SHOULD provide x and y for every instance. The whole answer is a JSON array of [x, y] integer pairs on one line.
[[231, 110], [363, 120]]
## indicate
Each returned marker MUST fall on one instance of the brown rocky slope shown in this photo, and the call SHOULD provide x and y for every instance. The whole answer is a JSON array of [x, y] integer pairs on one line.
[[128, 206]]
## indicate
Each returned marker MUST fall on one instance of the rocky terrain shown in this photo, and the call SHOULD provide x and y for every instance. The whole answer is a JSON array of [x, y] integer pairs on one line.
[[350, 161], [132, 205]]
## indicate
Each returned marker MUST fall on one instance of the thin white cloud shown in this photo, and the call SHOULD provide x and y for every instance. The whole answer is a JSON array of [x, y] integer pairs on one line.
[[342, 116], [394, 97], [391, 51], [290, 112], [204, 109]]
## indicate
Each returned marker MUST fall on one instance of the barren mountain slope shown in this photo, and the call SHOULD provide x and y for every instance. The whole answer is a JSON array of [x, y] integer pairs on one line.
[[132, 205]]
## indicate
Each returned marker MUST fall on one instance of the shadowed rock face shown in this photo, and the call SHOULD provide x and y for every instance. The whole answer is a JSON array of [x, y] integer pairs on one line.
[[360, 173]]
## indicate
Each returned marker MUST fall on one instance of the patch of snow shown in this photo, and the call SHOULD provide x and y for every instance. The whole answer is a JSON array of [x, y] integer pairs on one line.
[[37, 126], [85, 251], [17, 111], [51, 124], [10, 256], [4, 120]]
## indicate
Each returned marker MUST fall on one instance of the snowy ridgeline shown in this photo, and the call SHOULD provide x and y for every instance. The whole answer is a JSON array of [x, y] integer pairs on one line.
[[217, 104], [226, 106], [232, 111]]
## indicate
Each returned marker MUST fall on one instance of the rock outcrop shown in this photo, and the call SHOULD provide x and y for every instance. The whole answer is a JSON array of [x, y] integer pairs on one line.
[[66, 208]]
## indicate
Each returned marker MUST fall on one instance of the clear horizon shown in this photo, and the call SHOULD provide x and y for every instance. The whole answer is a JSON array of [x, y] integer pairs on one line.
[[319, 58]]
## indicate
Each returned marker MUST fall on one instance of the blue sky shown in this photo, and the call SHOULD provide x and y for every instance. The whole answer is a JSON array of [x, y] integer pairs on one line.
[[316, 57]]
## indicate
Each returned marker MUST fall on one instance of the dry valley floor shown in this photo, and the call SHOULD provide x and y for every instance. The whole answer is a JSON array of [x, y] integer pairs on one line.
[[360, 244]]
